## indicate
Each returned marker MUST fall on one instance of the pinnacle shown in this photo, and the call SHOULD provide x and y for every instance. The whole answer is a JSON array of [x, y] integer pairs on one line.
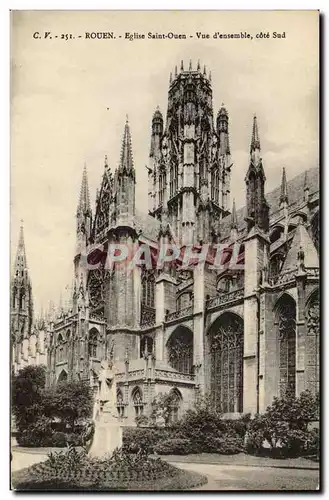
[[305, 181], [20, 261], [234, 220], [126, 160], [255, 143], [84, 201], [284, 187]]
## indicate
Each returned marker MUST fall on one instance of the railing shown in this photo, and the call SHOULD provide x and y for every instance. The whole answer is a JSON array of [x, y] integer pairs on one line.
[[186, 311], [280, 279], [313, 271], [97, 317], [174, 375], [225, 298], [147, 316]]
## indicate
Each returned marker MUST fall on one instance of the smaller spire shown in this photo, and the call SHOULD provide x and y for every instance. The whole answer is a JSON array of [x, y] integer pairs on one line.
[[170, 77], [305, 181], [255, 143], [20, 261], [234, 219], [198, 66], [209, 76], [284, 188], [182, 65], [84, 201], [306, 188], [190, 65], [176, 70], [204, 70], [126, 160], [105, 162]]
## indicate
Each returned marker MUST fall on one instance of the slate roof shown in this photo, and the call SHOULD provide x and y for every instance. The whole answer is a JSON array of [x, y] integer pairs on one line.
[[301, 239]]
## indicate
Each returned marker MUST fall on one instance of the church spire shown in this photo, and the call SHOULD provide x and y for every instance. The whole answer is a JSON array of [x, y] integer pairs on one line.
[[255, 142], [84, 215], [257, 207], [126, 159], [284, 188], [84, 200], [124, 182], [21, 294], [20, 261]]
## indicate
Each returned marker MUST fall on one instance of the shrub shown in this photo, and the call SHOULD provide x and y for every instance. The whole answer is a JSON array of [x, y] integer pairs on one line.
[[238, 427], [175, 446], [35, 433], [144, 439], [313, 443], [225, 445], [201, 422], [285, 427]]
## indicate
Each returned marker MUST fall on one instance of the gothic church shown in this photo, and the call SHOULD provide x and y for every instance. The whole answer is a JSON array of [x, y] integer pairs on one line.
[[243, 335]]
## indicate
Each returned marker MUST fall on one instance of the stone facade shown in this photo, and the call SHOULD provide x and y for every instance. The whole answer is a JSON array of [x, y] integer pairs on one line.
[[242, 335]]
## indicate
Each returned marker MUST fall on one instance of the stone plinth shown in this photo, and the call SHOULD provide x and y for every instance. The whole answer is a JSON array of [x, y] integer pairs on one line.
[[108, 435]]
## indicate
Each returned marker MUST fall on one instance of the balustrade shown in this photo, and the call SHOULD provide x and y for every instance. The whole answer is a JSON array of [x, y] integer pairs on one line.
[[225, 298]]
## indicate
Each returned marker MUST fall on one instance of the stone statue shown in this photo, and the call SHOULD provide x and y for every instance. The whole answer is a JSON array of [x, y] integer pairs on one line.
[[108, 432]]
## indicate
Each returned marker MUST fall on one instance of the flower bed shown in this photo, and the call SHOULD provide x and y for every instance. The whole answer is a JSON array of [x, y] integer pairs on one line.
[[75, 470]]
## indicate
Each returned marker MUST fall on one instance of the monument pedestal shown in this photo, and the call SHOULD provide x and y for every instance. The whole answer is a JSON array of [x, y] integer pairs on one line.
[[107, 437], [108, 431]]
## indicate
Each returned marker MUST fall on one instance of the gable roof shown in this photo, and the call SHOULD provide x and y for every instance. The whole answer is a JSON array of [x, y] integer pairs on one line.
[[302, 240]]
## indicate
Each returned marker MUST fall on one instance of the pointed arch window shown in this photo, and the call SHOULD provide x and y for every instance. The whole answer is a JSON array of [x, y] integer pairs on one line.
[[226, 362], [146, 345], [313, 344], [171, 181], [162, 187], [315, 230], [120, 404], [180, 350], [22, 300], [175, 406], [93, 343], [138, 401], [175, 178], [60, 348], [62, 377], [148, 288], [287, 346]]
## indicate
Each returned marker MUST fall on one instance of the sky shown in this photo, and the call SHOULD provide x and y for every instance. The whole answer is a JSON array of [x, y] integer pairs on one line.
[[70, 98]]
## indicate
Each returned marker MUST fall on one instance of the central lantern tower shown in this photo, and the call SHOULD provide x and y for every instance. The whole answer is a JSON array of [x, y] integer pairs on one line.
[[190, 163]]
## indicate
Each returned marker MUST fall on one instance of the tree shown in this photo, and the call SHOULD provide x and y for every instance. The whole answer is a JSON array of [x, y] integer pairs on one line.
[[161, 406], [27, 393], [69, 401]]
